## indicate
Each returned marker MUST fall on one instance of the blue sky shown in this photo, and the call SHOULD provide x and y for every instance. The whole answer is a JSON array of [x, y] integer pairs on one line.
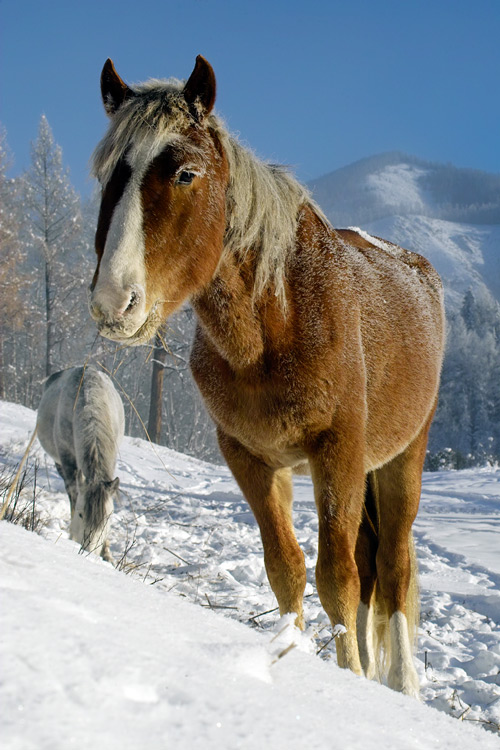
[[315, 84]]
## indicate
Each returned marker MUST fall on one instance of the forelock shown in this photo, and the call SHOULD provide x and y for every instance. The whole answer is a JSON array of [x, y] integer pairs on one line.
[[156, 115]]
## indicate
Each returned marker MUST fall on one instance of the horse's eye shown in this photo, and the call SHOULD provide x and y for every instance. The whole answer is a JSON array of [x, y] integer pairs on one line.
[[185, 178]]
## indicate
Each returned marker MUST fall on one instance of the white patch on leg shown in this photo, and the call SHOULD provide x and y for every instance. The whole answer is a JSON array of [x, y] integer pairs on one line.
[[402, 673], [364, 627]]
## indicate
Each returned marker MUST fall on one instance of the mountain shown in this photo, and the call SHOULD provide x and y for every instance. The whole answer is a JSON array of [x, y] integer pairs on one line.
[[448, 214]]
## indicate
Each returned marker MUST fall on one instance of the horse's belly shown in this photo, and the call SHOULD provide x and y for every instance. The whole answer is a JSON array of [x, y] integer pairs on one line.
[[396, 414], [277, 415]]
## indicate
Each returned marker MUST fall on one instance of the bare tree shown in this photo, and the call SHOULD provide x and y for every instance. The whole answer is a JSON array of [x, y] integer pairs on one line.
[[156, 397]]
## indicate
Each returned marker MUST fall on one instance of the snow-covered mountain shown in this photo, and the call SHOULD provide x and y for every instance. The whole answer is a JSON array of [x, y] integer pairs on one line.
[[450, 215]]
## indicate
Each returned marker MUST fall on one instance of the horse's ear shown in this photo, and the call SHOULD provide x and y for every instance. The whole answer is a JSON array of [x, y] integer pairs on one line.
[[113, 90], [114, 484], [199, 91]]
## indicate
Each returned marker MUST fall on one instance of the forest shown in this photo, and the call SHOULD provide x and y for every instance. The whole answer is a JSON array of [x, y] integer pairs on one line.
[[46, 244]]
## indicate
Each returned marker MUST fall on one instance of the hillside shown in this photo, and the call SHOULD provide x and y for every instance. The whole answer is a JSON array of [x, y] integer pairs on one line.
[[183, 651]]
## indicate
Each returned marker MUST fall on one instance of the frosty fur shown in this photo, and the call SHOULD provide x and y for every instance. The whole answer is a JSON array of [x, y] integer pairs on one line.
[[316, 349], [80, 424]]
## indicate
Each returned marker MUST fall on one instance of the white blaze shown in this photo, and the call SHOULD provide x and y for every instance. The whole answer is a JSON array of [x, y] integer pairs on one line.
[[121, 282], [122, 263]]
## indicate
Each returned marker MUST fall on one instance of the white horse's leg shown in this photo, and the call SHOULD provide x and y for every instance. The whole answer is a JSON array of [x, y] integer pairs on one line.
[[77, 525], [106, 552]]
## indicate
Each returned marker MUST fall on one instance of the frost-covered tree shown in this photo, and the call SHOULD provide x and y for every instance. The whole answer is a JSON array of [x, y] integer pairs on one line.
[[12, 277], [53, 223], [467, 421]]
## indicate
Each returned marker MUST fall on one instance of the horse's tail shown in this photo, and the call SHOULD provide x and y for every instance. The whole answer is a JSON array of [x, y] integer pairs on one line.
[[380, 621]]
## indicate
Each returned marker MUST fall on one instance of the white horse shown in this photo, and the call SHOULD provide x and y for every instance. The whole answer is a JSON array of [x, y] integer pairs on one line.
[[80, 424]]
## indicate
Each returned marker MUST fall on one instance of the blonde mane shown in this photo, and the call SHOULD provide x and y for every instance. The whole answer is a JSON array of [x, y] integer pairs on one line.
[[263, 200]]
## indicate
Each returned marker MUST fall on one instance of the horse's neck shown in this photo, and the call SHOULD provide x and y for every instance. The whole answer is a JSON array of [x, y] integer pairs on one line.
[[230, 317], [243, 329]]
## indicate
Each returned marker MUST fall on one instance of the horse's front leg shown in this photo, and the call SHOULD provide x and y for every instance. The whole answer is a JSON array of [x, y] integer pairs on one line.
[[339, 482], [67, 470], [269, 494]]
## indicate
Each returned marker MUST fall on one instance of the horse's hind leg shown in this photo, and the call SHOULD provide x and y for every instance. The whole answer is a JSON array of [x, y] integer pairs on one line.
[[399, 487], [269, 494]]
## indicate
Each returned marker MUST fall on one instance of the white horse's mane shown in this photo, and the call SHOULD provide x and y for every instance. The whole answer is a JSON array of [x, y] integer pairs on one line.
[[263, 201]]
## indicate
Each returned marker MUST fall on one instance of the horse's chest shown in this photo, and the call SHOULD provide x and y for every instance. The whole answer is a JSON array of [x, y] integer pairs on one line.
[[271, 413]]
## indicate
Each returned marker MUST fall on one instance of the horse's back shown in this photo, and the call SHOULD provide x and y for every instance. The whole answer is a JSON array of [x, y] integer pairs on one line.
[[418, 264]]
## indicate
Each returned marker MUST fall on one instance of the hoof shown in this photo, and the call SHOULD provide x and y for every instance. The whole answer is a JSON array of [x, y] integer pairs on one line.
[[404, 680]]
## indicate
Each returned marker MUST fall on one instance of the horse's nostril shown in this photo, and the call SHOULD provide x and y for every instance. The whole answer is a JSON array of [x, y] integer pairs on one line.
[[132, 303], [116, 305]]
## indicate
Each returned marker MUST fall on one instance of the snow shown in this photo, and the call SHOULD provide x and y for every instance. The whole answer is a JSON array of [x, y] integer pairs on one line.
[[176, 647], [398, 185]]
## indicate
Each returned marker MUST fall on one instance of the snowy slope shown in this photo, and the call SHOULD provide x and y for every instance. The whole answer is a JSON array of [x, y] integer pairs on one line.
[[180, 651], [450, 215]]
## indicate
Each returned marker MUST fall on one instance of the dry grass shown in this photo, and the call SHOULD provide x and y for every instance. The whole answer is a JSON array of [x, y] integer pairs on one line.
[[22, 506]]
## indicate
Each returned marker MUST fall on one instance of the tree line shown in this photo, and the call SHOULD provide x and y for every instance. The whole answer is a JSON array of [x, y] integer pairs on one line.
[[47, 250]]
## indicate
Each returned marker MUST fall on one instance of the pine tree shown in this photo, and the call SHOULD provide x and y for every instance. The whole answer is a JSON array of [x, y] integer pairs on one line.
[[469, 311]]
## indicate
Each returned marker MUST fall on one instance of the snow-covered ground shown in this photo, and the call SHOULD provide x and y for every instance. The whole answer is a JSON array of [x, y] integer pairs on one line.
[[183, 651]]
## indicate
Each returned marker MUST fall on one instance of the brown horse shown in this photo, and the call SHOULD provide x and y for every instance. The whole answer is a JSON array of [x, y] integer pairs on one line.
[[315, 349]]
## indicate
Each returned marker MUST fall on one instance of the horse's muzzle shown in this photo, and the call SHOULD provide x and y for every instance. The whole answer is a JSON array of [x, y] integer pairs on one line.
[[119, 313]]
